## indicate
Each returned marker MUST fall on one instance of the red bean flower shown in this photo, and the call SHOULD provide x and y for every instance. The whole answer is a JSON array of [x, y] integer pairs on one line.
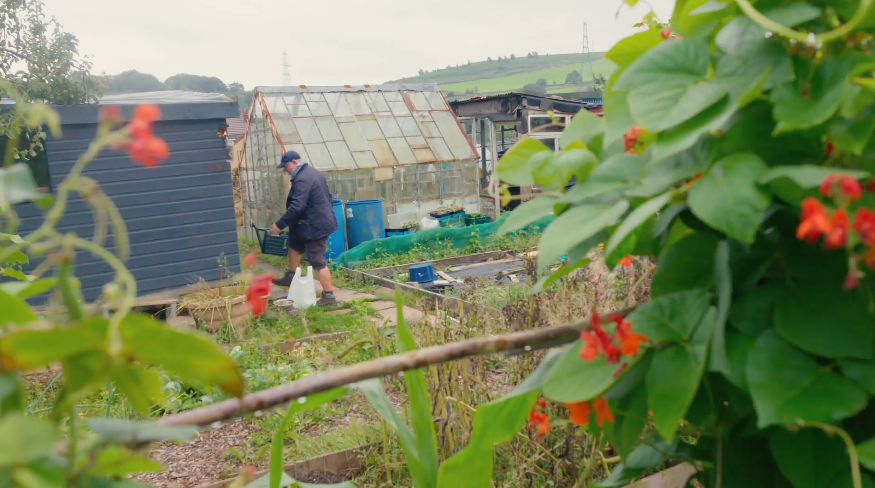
[[815, 221], [143, 147], [249, 260], [630, 138], [257, 293], [625, 261], [597, 340], [581, 411], [841, 184], [665, 33], [602, 411], [538, 418]]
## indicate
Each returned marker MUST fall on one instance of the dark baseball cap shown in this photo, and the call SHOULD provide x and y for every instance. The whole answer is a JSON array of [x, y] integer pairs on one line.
[[288, 156]]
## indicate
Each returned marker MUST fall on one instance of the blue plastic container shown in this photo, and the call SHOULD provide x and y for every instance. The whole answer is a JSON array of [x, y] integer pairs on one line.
[[422, 273], [397, 232], [459, 213], [337, 239], [364, 221]]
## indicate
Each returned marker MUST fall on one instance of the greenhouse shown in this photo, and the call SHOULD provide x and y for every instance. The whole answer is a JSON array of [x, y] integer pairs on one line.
[[401, 144]]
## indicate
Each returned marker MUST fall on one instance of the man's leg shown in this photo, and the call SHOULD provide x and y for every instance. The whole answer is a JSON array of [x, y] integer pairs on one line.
[[316, 255], [294, 263]]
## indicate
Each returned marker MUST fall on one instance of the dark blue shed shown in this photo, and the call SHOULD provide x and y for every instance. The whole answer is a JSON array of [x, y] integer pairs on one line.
[[179, 215]]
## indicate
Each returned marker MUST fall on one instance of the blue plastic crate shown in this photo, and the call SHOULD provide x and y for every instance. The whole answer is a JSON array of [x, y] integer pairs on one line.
[[422, 273]]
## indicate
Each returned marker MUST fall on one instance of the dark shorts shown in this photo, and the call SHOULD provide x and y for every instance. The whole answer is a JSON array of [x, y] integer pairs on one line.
[[314, 250]]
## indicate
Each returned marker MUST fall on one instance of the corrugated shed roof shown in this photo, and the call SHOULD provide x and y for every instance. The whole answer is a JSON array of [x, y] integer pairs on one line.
[[365, 126], [237, 126]]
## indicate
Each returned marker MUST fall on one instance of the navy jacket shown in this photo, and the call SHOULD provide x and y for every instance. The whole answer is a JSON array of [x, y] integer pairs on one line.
[[309, 215]]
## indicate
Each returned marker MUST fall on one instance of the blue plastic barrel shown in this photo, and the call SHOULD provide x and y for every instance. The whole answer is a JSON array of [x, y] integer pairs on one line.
[[337, 239], [364, 221]]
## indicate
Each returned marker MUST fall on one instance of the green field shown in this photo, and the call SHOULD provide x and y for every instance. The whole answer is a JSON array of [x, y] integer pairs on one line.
[[510, 82]]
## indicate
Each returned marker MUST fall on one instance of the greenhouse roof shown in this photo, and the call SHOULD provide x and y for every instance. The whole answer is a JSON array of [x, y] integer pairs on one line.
[[368, 126]]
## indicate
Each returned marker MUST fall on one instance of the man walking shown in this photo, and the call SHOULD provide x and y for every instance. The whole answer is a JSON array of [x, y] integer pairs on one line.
[[310, 219]]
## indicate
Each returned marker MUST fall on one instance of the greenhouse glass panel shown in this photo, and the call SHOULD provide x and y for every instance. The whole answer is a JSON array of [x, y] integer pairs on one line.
[[340, 154], [319, 156], [364, 159], [371, 129], [286, 129], [392, 96], [383, 152], [436, 101], [337, 104], [419, 100], [275, 104], [408, 126], [319, 108], [389, 126], [299, 110], [440, 148], [429, 129], [359, 103], [313, 97], [353, 137], [402, 150], [294, 99], [329, 129], [399, 108], [454, 138], [379, 102], [308, 130]]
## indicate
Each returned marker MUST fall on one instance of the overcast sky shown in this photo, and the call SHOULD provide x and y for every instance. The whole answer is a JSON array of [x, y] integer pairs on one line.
[[332, 42]]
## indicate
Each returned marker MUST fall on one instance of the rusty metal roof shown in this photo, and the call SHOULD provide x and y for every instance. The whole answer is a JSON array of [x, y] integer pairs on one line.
[[364, 126]]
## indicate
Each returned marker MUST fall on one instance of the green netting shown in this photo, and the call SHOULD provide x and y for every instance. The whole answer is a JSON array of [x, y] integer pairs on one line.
[[459, 238]]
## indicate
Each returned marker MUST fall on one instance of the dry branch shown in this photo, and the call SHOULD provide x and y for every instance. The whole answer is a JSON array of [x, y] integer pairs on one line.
[[524, 341]]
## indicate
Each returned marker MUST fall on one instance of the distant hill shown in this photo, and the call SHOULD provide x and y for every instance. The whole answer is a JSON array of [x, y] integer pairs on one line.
[[510, 74]]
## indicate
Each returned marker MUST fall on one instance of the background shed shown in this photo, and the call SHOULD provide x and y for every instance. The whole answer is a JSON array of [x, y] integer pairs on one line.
[[179, 215], [398, 143]]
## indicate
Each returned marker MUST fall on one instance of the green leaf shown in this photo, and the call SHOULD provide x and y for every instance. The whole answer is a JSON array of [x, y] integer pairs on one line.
[[806, 176], [723, 288], [738, 348], [635, 219], [27, 349], [660, 175], [743, 35], [652, 452], [786, 384], [670, 64], [189, 355], [420, 405], [24, 438], [83, 373], [142, 387], [674, 377], [866, 453], [853, 135], [574, 380], [423, 475], [494, 422], [630, 417], [830, 83], [686, 265], [803, 311], [766, 56], [671, 318], [586, 127], [626, 247], [631, 48], [129, 432], [618, 118], [862, 372], [728, 199], [575, 226], [542, 169], [15, 310], [17, 184], [811, 459], [753, 312], [575, 162], [276, 448], [557, 275], [527, 213], [27, 289], [118, 461], [618, 173], [659, 107], [513, 167], [686, 135]]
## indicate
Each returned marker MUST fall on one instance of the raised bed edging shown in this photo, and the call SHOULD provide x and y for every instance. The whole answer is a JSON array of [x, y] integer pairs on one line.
[[441, 263], [345, 462], [673, 477]]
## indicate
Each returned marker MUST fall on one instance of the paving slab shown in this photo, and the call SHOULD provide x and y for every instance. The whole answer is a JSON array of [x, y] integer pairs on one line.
[[389, 316], [382, 305], [347, 295]]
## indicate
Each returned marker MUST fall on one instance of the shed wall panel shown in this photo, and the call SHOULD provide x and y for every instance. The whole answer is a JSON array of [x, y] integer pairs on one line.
[[179, 215]]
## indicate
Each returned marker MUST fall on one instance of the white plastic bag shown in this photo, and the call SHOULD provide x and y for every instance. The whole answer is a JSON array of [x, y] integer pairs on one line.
[[428, 223], [303, 290]]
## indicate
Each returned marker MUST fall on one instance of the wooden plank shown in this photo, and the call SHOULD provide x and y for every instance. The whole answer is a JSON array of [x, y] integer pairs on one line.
[[485, 263], [442, 263], [673, 477], [347, 462], [453, 304]]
